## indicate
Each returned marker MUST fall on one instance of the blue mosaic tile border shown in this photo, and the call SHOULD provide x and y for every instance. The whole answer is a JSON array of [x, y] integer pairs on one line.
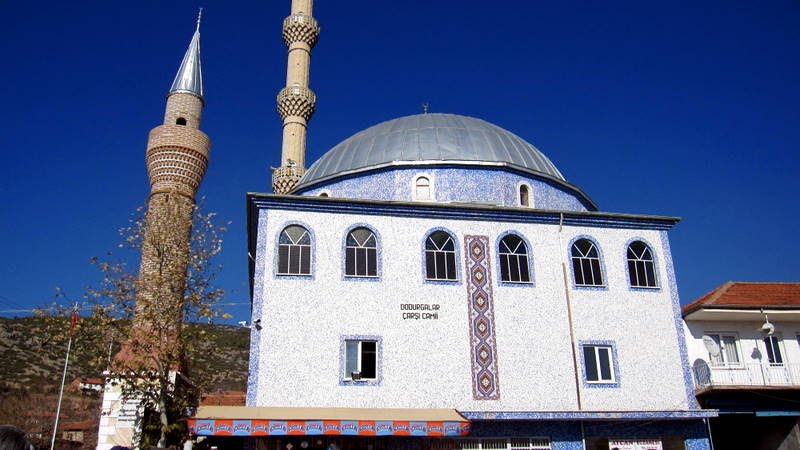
[[676, 314], [257, 306], [588, 415], [483, 345]]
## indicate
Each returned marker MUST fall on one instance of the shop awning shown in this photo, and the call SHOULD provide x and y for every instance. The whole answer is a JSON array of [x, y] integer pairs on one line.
[[277, 421]]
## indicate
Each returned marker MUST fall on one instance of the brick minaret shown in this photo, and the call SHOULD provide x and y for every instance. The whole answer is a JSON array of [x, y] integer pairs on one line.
[[177, 157], [296, 101]]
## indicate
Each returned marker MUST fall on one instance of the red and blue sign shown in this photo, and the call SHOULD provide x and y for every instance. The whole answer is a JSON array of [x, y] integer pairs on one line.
[[247, 427]]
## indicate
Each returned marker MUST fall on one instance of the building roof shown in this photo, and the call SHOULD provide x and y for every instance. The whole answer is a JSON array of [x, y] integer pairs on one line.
[[430, 139], [748, 295], [189, 78]]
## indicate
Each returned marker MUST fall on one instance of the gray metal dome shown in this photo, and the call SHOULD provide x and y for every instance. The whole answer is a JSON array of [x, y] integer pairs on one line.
[[430, 139]]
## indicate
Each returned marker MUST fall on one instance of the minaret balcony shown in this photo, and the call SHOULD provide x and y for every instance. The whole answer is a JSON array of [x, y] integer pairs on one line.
[[300, 28], [296, 101]]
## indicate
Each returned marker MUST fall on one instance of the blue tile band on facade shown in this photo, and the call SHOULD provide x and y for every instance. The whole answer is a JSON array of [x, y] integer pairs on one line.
[[483, 346], [588, 415]]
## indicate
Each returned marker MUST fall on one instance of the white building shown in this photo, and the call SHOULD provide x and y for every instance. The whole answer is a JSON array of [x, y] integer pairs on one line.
[[743, 344]]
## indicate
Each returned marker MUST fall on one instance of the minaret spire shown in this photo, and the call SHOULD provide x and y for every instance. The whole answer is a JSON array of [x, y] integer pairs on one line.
[[189, 78], [296, 102]]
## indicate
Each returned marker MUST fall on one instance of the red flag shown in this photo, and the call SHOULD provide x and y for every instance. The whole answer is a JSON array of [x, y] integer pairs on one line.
[[74, 322]]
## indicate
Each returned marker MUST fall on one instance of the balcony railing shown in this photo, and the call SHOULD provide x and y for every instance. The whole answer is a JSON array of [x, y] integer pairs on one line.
[[753, 374]]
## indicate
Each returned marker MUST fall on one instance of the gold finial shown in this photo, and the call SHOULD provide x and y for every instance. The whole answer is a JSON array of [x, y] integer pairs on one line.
[[425, 107], [199, 17]]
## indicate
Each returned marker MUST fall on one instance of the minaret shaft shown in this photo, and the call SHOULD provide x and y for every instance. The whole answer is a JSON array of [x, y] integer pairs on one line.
[[296, 102]]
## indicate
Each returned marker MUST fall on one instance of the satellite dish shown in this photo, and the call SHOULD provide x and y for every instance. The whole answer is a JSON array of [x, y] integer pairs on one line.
[[711, 345]]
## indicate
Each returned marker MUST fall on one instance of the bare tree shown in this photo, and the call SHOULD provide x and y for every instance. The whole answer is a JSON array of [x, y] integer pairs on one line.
[[144, 318]]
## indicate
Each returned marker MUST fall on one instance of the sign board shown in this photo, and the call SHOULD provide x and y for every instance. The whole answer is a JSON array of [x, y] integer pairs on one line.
[[635, 444]]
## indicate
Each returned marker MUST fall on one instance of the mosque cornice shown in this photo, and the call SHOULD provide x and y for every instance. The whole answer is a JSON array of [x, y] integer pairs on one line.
[[455, 211]]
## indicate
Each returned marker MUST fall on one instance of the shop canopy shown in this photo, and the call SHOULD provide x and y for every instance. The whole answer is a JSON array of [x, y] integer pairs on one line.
[[277, 421]]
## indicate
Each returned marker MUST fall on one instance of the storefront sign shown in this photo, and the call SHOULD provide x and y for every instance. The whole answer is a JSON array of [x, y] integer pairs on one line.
[[247, 427], [634, 444]]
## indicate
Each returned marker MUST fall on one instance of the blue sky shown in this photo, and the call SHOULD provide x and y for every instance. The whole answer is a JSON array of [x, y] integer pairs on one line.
[[685, 109]]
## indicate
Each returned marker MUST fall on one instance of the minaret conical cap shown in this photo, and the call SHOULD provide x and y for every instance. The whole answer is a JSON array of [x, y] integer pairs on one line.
[[190, 75]]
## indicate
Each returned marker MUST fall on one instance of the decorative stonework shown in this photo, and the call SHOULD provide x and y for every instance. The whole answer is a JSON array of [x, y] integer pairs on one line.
[[296, 101], [284, 179], [300, 28], [483, 346]]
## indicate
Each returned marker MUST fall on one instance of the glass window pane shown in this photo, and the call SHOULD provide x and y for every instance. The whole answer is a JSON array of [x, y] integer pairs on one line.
[[451, 266], [525, 275], [576, 268], [604, 354], [504, 276], [294, 259], [590, 363], [283, 259], [372, 262], [305, 260], [597, 275], [368, 359], [349, 261], [729, 349], [588, 275], [440, 265], [351, 358], [514, 268], [361, 261]]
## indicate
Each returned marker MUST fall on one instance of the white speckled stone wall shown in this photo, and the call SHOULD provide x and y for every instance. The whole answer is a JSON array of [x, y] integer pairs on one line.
[[426, 363]]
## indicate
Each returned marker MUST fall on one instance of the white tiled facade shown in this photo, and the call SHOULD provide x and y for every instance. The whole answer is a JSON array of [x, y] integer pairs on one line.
[[426, 363]]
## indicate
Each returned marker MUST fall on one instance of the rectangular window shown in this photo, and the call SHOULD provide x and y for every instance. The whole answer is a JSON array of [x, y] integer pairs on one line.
[[361, 360], [598, 362], [774, 354], [728, 349]]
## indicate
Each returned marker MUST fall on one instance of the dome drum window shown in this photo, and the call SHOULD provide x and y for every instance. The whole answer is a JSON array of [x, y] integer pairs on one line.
[[422, 189]]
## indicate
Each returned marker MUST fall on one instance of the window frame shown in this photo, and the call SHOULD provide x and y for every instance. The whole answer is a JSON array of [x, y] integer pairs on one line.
[[415, 185], [613, 364], [526, 200], [345, 378], [377, 254], [770, 350], [311, 253], [528, 258], [652, 262], [454, 253], [721, 343], [600, 264]]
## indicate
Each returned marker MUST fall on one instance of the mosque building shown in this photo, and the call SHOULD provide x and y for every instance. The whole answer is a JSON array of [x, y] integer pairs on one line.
[[435, 282]]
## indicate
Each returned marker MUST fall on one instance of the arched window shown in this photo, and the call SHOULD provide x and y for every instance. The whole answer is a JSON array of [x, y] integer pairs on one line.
[[440, 256], [641, 267], [422, 188], [361, 253], [180, 121], [586, 263], [514, 265], [294, 251], [524, 195]]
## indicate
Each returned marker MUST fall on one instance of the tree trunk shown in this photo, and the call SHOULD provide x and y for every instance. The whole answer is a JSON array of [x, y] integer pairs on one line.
[[162, 407]]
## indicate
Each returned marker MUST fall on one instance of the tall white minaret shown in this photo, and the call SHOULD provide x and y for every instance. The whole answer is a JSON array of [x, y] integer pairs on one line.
[[296, 101]]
